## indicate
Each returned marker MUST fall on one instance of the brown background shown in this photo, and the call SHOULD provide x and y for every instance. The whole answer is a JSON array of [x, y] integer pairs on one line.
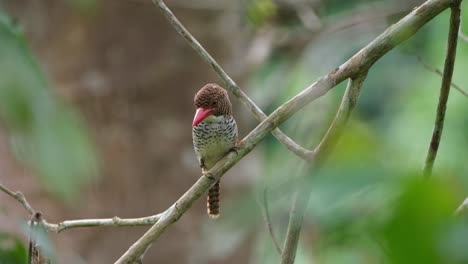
[[133, 79]]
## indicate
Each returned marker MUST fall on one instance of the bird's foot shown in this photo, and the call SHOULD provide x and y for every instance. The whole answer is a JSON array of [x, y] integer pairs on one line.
[[208, 174], [236, 148]]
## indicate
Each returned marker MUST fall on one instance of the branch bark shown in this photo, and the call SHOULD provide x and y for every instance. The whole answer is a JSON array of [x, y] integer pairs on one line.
[[445, 87], [302, 195], [356, 65]]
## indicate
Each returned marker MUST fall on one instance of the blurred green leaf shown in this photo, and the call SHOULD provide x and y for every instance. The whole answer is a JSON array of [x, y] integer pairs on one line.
[[422, 213], [46, 134], [260, 11], [366, 205], [12, 250]]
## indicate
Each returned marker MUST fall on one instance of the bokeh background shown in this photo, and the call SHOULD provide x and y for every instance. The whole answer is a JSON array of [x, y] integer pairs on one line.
[[95, 113]]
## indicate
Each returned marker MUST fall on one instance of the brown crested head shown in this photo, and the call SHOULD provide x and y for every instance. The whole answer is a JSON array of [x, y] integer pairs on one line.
[[213, 96]]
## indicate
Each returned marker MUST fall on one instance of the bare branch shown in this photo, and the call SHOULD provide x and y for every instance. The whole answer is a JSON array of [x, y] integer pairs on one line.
[[302, 195], [114, 221], [445, 87], [439, 72], [347, 105], [231, 85], [266, 215], [355, 66], [20, 198], [69, 224]]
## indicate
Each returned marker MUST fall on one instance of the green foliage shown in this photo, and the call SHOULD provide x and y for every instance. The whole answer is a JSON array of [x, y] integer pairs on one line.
[[12, 250], [45, 133], [260, 11], [422, 214], [368, 203]]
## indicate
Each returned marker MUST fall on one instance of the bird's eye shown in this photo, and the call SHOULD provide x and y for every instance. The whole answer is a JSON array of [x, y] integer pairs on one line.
[[214, 104]]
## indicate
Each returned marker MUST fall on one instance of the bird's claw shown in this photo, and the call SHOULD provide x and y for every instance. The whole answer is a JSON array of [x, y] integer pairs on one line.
[[236, 148], [208, 175]]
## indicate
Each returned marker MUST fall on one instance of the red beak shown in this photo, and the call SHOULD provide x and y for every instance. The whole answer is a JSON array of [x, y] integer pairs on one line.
[[200, 115]]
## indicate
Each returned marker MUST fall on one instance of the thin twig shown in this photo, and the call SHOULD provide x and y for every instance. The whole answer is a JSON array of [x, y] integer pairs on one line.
[[463, 206], [302, 195], [20, 198], [355, 66], [439, 72], [296, 218], [114, 221], [266, 215], [365, 14], [445, 87], [69, 224], [347, 105], [231, 85]]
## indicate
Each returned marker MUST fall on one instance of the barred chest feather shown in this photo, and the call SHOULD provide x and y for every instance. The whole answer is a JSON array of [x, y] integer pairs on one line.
[[213, 138]]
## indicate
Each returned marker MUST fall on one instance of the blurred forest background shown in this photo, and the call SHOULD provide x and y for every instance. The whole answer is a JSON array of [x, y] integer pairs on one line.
[[96, 102]]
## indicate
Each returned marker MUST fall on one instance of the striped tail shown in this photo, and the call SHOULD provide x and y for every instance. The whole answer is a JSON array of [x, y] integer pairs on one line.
[[213, 201]]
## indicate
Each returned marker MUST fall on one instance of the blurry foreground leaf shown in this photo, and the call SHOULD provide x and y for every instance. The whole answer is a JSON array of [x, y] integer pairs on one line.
[[260, 11], [422, 215], [41, 249], [12, 250], [45, 133]]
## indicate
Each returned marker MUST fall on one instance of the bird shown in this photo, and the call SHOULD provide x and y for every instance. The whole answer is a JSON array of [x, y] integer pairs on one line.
[[214, 133]]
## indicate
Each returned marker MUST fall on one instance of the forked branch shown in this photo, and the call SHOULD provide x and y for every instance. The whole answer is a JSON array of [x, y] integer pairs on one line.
[[354, 67], [231, 85], [302, 195]]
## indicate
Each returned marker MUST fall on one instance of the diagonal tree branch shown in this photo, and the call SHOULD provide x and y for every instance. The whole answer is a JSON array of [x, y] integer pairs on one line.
[[231, 85], [302, 195], [445, 87], [355, 66]]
